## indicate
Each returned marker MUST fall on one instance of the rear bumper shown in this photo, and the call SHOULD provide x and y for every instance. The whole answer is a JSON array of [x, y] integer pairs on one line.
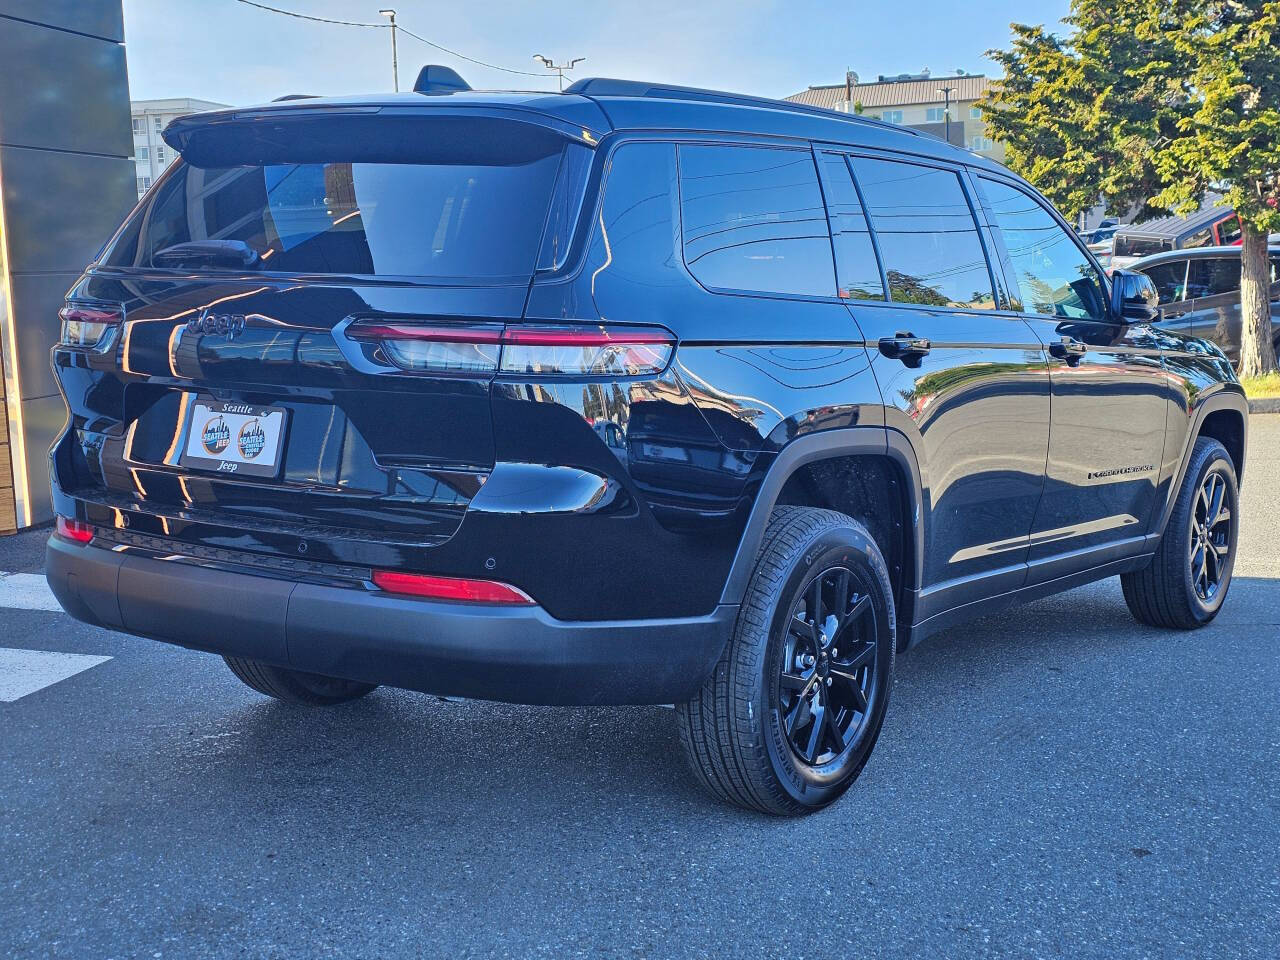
[[515, 654]]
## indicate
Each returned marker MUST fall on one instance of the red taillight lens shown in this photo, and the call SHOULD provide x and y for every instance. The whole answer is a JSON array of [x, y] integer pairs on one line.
[[74, 530], [586, 351], [449, 588], [87, 324], [594, 351]]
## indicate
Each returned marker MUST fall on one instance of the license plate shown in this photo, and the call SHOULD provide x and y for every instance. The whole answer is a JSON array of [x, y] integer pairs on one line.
[[235, 438]]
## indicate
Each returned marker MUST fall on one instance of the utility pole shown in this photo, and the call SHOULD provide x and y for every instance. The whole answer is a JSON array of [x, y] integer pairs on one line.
[[559, 68], [395, 60], [946, 112]]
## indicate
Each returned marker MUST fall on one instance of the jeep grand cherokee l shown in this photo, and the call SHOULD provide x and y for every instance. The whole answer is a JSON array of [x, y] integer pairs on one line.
[[631, 394]]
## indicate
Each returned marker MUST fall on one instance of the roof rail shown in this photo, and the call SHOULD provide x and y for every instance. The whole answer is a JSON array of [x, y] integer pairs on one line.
[[295, 96], [608, 87]]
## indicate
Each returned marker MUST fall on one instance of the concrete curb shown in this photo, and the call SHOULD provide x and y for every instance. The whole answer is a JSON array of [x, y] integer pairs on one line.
[[1265, 405]]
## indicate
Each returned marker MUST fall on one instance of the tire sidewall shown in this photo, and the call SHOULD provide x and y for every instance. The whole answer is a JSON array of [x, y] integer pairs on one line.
[[849, 546]]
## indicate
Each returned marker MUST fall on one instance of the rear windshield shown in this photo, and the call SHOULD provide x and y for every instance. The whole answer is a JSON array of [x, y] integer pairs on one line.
[[1128, 246], [465, 207]]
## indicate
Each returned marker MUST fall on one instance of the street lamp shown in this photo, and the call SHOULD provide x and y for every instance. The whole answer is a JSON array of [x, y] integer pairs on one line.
[[946, 111], [395, 61], [558, 68]]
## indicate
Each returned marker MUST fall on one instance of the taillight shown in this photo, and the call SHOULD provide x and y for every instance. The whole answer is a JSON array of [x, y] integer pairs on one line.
[[586, 351], [594, 351], [87, 324], [449, 588], [74, 530]]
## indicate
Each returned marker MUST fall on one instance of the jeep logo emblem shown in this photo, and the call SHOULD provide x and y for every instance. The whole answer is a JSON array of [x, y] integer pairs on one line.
[[229, 325]]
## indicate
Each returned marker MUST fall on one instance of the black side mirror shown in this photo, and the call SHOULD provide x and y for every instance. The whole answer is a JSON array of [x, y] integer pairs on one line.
[[1134, 297]]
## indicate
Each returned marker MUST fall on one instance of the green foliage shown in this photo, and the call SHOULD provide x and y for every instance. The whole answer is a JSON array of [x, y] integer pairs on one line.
[[1230, 140], [1083, 117]]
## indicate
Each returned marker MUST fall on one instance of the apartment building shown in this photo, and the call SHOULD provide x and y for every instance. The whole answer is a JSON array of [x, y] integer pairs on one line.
[[917, 100], [150, 153]]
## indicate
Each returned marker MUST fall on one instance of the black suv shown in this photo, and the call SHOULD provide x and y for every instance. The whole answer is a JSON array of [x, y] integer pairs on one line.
[[631, 394]]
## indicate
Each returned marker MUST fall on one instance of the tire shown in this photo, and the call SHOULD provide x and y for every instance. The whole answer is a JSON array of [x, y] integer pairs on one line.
[[292, 686], [745, 734], [1172, 591]]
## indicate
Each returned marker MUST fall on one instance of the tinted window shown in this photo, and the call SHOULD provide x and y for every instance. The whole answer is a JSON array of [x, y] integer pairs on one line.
[[1202, 238], [1130, 246], [927, 234], [1053, 275], [1170, 279], [1212, 276], [753, 219], [857, 270], [473, 215]]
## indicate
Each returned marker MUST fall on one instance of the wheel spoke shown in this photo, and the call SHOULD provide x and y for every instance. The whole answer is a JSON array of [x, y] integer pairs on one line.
[[793, 681], [803, 629], [814, 600], [866, 653], [833, 728], [1221, 549], [842, 596], [797, 716], [815, 735], [1212, 566], [860, 609], [1215, 501]]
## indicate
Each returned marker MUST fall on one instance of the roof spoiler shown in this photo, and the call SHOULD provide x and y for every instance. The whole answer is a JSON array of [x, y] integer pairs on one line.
[[434, 78]]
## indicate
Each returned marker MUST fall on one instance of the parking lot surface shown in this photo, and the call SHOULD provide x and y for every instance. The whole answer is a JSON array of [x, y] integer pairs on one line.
[[1057, 781]]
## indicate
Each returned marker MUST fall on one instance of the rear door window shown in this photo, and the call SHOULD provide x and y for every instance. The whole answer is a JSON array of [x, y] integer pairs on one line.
[[1213, 276], [753, 220], [1053, 274], [857, 269], [1170, 279], [926, 233]]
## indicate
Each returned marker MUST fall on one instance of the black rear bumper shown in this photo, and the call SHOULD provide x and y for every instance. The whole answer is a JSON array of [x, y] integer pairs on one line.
[[515, 654]]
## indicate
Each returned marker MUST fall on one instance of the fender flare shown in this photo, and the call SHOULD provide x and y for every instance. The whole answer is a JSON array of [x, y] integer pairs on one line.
[[827, 445], [1229, 400]]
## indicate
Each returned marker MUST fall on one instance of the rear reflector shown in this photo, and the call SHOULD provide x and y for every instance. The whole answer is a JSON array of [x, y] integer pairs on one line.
[[74, 530], [469, 347], [449, 588]]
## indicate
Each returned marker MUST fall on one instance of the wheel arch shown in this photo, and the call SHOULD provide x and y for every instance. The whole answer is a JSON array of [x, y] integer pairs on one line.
[[803, 474], [1224, 416]]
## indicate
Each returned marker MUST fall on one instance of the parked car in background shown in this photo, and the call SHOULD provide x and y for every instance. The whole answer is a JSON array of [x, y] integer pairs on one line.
[[1209, 226], [1200, 293]]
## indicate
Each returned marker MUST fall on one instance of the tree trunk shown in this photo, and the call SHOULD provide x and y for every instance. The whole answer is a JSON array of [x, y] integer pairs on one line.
[[1257, 351]]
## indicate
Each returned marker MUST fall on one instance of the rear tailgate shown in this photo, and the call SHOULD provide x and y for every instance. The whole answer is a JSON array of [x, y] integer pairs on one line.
[[236, 391]]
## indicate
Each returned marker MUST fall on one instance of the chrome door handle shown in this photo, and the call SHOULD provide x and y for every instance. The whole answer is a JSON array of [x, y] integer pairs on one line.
[[906, 347], [1069, 349]]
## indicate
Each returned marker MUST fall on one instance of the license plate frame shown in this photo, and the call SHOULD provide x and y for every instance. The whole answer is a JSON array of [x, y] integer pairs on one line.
[[235, 439]]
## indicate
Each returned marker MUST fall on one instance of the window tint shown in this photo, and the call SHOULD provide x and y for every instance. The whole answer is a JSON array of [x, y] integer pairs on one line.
[[1053, 275], [753, 219], [1170, 279], [1212, 276], [1130, 246], [472, 220], [857, 270], [1202, 238], [927, 234]]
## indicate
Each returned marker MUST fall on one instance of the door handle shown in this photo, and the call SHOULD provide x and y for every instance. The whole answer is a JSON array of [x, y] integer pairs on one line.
[[906, 347], [1069, 349]]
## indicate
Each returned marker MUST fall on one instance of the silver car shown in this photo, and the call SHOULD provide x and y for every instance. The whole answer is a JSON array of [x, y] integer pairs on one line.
[[1200, 293]]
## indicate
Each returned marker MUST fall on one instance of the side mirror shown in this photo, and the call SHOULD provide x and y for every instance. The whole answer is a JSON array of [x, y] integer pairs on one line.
[[1134, 297]]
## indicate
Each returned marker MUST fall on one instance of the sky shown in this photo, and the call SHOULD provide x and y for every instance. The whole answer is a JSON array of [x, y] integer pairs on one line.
[[229, 52]]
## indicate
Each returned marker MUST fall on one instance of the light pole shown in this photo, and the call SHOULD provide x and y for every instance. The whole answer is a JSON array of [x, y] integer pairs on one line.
[[946, 111], [558, 68], [395, 60]]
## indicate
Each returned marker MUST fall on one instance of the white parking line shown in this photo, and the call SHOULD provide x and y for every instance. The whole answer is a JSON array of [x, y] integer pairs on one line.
[[26, 591], [26, 671]]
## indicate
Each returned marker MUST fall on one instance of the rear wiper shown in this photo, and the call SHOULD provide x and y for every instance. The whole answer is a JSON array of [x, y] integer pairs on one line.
[[231, 253]]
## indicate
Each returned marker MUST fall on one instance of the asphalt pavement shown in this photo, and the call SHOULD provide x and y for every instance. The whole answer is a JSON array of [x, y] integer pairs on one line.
[[1057, 781]]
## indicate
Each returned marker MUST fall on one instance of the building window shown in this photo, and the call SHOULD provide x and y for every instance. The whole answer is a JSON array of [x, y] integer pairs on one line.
[[143, 153], [159, 124], [139, 127], [935, 114], [144, 184], [981, 144], [891, 116], [975, 113], [159, 153]]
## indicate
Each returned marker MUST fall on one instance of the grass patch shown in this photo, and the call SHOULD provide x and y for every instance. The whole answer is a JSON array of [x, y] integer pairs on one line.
[[1258, 387]]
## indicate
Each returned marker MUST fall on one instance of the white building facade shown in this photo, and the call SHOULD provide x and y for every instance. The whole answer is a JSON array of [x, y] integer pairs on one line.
[[151, 154]]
